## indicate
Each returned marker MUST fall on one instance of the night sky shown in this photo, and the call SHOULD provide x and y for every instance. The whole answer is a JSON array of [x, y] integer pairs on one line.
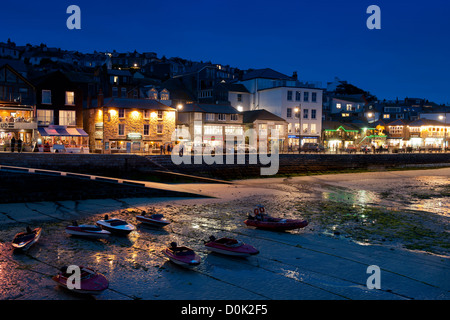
[[408, 57]]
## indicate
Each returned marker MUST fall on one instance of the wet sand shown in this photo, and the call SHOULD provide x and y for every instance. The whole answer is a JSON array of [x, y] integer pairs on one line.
[[326, 260]]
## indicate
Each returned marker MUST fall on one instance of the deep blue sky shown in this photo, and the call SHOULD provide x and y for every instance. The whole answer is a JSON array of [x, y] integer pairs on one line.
[[409, 56]]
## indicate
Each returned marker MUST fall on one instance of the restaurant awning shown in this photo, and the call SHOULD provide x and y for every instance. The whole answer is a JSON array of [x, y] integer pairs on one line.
[[51, 132]]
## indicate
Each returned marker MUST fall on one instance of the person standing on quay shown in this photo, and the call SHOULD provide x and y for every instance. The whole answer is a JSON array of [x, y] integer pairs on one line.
[[19, 145], [13, 143]]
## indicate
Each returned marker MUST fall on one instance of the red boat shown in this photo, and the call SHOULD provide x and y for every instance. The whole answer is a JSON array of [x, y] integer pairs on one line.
[[182, 255], [91, 282], [155, 219], [230, 247], [263, 221]]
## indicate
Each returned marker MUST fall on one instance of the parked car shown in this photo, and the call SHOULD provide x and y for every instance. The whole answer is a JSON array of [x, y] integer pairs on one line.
[[312, 147], [350, 149]]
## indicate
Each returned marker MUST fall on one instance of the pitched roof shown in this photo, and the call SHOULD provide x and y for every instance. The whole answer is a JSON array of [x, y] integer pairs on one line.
[[334, 125], [209, 108], [261, 114], [234, 87], [427, 122], [266, 73], [148, 104], [398, 122]]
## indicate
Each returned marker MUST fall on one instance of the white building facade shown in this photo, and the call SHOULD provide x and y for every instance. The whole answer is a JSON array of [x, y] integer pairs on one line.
[[286, 98]]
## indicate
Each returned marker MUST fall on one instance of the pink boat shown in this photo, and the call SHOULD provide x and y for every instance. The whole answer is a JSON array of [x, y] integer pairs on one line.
[[91, 282], [231, 247], [182, 256]]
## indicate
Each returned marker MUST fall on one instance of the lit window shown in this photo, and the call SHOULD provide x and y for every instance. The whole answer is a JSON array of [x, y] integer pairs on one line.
[[70, 98], [197, 116], [45, 117], [210, 117], [386, 116], [338, 105], [164, 95], [67, 118]]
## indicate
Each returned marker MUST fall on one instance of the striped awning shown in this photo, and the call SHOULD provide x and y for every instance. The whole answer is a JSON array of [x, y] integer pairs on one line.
[[66, 132]]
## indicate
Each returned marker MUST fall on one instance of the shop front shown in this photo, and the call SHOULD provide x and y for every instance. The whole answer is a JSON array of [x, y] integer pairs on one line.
[[62, 139], [19, 124]]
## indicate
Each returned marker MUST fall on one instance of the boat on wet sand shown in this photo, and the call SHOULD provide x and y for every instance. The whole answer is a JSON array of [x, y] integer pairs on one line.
[[24, 240], [91, 282], [182, 256], [231, 247], [87, 231], [155, 219], [116, 226], [264, 221]]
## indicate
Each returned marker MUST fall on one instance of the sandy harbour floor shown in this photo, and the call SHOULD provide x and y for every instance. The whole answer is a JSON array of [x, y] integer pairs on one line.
[[396, 220]]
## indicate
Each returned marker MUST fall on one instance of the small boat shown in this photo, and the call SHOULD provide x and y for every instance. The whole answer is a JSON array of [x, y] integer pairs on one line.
[[24, 240], [87, 231], [263, 221], [91, 282], [116, 226], [230, 247], [156, 219], [182, 255]]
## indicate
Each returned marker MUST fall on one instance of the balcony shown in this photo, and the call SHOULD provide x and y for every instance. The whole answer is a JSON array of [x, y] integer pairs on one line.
[[19, 124]]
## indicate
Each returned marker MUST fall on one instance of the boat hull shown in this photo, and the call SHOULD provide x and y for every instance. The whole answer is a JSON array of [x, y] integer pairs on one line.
[[95, 284], [153, 222], [22, 242], [234, 253], [280, 225], [189, 261], [122, 230], [80, 232], [231, 247]]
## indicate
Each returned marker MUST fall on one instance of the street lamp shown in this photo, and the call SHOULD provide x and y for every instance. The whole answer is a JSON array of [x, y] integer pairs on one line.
[[444, 117], [298, 111]]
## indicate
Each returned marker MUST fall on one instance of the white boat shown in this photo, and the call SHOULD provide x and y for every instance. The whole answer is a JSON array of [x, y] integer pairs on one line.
[[155, 219], [116, 226], [87, 231]]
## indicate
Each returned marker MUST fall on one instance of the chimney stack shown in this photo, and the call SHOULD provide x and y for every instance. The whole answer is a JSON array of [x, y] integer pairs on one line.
[[294, 75], [100, 98]]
